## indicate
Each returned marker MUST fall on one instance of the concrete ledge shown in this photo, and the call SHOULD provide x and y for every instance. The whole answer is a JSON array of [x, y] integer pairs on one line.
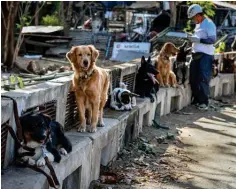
[[7, 115], [36, 95], [223, 84], [6, 110], [92, 149], [104, 147]]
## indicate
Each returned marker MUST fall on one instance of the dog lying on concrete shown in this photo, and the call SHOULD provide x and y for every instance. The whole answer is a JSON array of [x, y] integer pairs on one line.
[[45, 136], [146, 82], [122, 98]]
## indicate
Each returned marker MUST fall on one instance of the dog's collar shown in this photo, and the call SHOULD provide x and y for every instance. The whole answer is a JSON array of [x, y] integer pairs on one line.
[[86, 75]]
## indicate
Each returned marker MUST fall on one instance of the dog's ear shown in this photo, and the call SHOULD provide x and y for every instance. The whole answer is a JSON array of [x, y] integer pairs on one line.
[[47, 119], [174, 50], [94, 52], [143, 60], [71, 56], [182, 47]]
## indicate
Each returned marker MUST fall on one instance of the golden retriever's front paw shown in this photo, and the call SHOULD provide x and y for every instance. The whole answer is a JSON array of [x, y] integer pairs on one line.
[[174, 86], [167, 85], [92, 129], [161, 85], [81, 129]]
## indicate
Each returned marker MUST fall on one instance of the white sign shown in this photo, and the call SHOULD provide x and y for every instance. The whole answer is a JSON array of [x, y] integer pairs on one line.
[[130, 46]]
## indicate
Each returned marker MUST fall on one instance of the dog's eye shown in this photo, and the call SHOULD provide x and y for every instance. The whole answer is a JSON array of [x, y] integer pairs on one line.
[[89, 54], [79, 54]]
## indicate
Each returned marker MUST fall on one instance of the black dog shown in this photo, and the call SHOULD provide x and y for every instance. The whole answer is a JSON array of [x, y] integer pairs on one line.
[[181, 66], [146, 82], [45, 136], [228, 65], [215, 69]]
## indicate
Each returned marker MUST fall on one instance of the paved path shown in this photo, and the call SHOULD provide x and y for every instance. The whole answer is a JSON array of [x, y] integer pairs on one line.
[[210, 139]]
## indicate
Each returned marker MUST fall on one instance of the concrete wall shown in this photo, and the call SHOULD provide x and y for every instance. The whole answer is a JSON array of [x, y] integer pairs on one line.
[[90, 150]]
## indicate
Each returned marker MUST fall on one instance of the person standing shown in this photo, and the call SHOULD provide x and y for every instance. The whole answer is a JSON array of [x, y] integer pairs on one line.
[[202, 56]]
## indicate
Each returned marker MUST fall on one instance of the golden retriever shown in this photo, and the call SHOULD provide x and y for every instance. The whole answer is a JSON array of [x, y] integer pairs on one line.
[[166, 76], [90, 84]]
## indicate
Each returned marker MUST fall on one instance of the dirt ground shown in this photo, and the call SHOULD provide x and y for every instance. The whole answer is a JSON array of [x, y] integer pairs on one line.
[[197, 151]]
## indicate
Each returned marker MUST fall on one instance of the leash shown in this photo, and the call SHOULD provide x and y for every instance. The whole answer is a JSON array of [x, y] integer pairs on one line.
[[52, 178]]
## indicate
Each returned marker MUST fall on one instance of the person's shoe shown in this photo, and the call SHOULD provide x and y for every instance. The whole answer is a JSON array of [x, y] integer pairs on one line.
[[203, 107]]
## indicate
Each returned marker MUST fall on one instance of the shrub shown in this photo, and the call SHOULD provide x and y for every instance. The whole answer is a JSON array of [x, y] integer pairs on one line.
[[51, 20]]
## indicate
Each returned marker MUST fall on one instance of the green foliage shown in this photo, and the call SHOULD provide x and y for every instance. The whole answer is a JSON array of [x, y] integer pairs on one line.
[[54, 18], [221, 48], [207, 6], [208, 9], [51, 20], [24, 21]]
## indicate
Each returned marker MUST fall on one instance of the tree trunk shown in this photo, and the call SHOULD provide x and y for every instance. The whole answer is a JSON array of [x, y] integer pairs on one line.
[[36, 20], [173, 10], [67, 19], [10, 10]]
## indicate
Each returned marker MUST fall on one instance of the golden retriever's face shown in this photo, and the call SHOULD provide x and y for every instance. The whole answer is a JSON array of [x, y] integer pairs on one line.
[[82, 57], [169, 49]]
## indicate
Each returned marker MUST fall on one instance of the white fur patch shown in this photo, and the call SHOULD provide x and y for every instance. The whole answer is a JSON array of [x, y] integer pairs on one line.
[[41, 162], [63, 151]]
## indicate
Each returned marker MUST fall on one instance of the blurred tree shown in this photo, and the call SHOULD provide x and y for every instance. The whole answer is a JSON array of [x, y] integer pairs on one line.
[[8, 14]]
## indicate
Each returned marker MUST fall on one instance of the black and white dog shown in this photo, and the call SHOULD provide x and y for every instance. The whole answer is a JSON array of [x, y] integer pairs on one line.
[[146, 83], [122, 98], [45, 136], [181, 67]]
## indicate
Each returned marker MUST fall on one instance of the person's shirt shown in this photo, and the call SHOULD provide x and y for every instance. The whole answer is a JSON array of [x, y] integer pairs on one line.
[[206, 31]]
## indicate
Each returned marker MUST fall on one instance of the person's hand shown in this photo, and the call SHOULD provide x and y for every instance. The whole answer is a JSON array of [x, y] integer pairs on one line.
[[194, 39]]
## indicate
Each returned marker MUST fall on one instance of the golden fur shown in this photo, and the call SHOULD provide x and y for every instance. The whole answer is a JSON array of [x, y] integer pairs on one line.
[[166, 76], [90, 84]]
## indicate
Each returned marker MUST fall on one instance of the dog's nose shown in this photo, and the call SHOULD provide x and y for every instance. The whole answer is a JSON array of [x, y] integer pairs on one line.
[[85, 62]]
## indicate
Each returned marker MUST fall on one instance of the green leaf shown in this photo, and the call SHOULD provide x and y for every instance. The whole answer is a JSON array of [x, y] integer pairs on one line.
[[21, 83], [12, 79]]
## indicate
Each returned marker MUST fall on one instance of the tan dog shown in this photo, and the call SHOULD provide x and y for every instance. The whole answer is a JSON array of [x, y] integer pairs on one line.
[[90, 84], [166, 76]]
